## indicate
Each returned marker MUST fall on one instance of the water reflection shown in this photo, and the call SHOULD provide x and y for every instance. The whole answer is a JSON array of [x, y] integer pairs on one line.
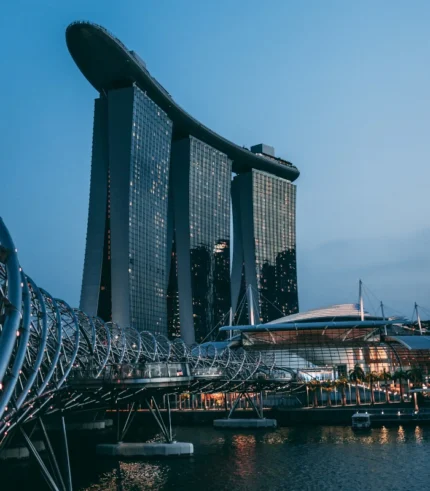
[[418, 435], [244, 442], [298, 458], [400, 435], [275, 438], [383, 436], [132, 476], [365, 439], [244, 455]]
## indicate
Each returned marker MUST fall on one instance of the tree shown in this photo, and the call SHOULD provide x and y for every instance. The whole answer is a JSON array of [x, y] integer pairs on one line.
[[328, 386], [400, 375], [356, 375], [386, 377], [416, 376], [341, 383], [371, 378], [313, 385]]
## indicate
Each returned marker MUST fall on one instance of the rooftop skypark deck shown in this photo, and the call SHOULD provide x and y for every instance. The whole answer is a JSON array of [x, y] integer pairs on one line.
[[107, 64]]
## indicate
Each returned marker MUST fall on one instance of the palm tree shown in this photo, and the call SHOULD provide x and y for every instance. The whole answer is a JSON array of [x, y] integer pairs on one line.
[[370, 378], [386, 376], [356, 375], [314, 384], [341, 383], [328, 386], [400, 375], [416, 376]]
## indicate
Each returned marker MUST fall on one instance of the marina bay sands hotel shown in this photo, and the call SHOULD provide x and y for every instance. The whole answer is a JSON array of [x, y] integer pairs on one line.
[[162, 193]]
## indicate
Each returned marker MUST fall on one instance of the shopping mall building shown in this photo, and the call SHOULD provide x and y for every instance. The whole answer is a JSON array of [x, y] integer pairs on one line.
[[327, 343]]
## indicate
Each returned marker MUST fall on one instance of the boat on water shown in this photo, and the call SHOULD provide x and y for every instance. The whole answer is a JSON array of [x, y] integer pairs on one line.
[[361, 421]]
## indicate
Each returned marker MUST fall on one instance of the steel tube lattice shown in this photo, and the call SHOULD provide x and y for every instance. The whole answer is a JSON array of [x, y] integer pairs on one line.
[[45, 346]]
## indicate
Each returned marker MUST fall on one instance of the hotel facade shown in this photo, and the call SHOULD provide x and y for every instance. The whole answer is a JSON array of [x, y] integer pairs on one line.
[[158, 242]]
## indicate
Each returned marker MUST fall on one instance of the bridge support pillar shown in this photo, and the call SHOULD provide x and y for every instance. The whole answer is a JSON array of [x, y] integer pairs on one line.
[[155, 411], [57, 478], [234, 423], [125, 449]]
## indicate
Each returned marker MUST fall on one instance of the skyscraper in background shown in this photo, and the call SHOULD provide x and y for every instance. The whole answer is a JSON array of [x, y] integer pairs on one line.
[[158, 239]]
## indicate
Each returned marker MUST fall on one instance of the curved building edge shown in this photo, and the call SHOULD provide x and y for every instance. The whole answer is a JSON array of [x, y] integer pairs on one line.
[[107, 64]]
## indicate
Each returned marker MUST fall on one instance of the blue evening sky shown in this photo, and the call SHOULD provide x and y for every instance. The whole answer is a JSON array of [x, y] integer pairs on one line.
[[342, 89]]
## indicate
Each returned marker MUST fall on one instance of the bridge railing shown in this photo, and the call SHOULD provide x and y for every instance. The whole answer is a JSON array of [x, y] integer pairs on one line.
[[208, 372], [45, 346], [112, 373]]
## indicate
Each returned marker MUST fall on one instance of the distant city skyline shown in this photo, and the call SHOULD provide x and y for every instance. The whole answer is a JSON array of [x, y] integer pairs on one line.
[[339, 89]]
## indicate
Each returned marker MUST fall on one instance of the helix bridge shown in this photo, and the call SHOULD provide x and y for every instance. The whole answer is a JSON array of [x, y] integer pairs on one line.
[[55, 358]]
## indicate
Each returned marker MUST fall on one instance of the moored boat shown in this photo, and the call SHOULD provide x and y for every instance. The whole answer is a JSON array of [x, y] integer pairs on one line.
[[361, 421]]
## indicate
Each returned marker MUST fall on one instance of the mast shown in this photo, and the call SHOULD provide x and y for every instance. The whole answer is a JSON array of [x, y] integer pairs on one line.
[[418, 318], [383, 316], [360, 294]]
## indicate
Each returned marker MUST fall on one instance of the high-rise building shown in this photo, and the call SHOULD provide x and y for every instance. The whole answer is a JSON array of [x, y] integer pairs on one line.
[[158, 240], [201, 178], [264, 260], [125, 276]]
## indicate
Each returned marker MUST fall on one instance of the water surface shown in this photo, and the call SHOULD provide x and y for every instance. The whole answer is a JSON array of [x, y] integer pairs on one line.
[[300, 458]]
